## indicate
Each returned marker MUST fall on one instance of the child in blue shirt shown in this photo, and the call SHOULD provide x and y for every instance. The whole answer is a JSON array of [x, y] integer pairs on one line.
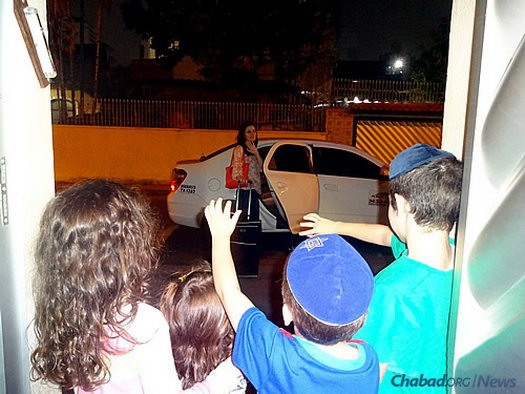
[[326, 289]]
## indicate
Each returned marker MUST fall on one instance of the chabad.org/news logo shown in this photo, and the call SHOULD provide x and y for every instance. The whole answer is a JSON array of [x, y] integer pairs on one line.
[[475, 381]]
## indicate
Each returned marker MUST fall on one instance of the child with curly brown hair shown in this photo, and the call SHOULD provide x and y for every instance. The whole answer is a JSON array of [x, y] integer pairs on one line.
[[96, 247]]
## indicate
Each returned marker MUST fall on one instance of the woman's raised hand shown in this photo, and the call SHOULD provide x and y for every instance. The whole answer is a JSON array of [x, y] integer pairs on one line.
[[251, 147]]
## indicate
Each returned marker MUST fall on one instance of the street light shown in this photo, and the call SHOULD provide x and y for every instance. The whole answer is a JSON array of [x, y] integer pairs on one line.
[[396, 67], [398, 64]]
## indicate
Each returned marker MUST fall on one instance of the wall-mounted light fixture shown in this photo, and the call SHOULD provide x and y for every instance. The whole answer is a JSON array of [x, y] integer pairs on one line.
[[39, 38], [35, 40]]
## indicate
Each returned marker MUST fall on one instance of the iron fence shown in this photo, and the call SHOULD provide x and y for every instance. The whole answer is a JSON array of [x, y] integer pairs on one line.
[[228, 115], [196, 115], [388, 91]]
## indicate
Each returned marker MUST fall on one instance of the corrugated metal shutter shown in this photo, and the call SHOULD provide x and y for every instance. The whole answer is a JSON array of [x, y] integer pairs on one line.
[[385, 139]]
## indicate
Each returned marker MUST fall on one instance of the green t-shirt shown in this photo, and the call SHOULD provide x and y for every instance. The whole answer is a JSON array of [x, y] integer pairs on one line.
[[407, 323]]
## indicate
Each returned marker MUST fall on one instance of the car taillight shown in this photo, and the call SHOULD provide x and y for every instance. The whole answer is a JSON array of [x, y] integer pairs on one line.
[[177, 177]]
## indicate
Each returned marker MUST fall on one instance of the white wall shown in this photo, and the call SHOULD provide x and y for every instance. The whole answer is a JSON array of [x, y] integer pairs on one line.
[[26, 147], [488, 327], [457, 87]]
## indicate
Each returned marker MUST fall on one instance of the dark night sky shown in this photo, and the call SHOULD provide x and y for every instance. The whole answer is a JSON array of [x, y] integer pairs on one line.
[[369, 27]]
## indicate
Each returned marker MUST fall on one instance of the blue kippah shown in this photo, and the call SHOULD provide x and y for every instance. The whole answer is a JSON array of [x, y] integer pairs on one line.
[[414, 157], [330, 279]]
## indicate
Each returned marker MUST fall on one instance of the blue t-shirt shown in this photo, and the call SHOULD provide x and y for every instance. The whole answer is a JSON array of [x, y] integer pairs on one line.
[[407, 322], [276, 361]]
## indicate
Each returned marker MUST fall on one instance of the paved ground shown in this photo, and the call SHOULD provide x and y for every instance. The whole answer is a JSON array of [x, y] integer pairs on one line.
[[184, 244]]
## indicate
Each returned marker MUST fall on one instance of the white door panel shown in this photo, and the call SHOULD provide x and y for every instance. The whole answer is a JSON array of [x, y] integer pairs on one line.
[[291, 181], [353, 199]]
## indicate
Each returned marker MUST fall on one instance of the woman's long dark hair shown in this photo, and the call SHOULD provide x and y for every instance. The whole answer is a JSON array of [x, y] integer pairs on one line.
[[241, 138], [201, 334], [96, 246]]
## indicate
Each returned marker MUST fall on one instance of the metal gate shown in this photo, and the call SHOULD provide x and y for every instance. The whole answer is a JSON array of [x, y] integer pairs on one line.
[[384, 139]]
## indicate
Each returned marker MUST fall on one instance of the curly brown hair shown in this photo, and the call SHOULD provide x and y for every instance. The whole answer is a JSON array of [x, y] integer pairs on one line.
[[96, 246], [201, 334]]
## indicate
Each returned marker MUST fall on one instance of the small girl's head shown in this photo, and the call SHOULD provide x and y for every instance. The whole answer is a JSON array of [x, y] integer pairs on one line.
[[201, 334], [95, 248], [247, 132]]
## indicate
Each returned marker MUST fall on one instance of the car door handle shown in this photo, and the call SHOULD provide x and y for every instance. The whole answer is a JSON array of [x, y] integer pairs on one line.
[[331, 187], [282, 186]]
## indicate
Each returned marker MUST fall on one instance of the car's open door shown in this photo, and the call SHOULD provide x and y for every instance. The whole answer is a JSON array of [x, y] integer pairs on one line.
[[292, 181]]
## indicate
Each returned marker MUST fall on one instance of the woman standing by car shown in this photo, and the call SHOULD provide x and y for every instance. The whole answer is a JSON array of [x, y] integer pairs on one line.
[[246, 152]]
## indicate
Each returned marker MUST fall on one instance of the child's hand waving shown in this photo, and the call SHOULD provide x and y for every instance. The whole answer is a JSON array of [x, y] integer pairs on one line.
[[220, 220]]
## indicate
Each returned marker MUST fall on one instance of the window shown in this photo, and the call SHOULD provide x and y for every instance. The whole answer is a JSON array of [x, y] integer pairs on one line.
[[291, 158], [338, 162]]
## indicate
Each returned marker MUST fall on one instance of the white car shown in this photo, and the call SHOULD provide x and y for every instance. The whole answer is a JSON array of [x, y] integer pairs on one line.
[[337, 181]]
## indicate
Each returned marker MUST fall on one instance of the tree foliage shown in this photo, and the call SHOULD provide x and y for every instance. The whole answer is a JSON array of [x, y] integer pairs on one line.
[[431, 64], [234, 39]]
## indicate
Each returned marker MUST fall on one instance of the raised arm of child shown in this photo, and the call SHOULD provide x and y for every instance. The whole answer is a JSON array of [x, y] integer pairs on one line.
[[222, 224], [378, 234]]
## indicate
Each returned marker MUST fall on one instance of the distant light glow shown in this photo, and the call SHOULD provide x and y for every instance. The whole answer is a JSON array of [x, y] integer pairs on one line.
[[398, 63]]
